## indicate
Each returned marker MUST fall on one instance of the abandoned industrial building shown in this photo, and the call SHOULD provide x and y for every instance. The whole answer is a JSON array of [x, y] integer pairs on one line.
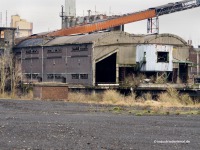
[[7, 37], [103, 58]]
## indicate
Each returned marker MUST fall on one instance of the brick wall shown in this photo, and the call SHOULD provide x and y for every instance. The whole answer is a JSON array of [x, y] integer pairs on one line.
[[50, 92]]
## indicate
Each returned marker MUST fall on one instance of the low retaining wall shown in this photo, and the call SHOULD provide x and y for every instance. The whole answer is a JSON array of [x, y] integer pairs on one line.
[[50, 91]]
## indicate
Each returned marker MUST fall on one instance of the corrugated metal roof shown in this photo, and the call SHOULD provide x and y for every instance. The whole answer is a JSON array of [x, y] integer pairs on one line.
[[30, 42], [155, 36], [76, 39], [89, 38]]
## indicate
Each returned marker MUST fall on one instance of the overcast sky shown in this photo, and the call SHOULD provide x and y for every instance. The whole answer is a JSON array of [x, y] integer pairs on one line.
[[45, 15]]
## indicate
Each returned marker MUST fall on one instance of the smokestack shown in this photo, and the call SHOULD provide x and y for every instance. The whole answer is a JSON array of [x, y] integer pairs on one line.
[[89, 13]]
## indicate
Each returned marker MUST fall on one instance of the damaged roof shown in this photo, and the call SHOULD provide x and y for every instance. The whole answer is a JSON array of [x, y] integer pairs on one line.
[[31, 43], [74, 39]]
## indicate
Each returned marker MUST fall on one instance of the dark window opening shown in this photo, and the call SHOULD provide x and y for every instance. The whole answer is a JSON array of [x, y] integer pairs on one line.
[[54, 51], [75, 76], [28, 76], [163, 57], [106, 70], [50, 76], [197, 80], [58, 76], [84, 76], [80, 48], [6, 42], [54, 76], [32, 51], [35, 76], [32, 76]]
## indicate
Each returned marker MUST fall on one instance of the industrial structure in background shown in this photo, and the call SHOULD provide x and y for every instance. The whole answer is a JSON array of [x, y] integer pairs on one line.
[[81, 56], [23, 27], [69, 16], [195, 58], [90, 24], [103, 58], [7, 37]]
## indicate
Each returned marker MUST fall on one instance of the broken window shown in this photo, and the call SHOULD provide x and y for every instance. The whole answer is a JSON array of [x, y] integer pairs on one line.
[[35, 75], [54, 76], [75, 76], [32, 51], [80, 48], [28, 75], [84, 76], [58, 76], [54, 51], [163, 57], [50, 76]]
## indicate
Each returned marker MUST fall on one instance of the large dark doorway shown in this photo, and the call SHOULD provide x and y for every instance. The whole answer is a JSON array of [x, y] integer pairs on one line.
[[183, 72], [106, 70]]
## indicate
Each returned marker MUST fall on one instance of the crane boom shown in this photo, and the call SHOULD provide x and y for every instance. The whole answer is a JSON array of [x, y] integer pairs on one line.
[[128, 18]]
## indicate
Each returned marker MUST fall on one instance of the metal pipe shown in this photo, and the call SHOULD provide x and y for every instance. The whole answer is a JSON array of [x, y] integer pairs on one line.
[[197, 63]]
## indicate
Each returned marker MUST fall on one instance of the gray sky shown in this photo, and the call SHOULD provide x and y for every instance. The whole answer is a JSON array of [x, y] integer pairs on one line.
[[45, 15]]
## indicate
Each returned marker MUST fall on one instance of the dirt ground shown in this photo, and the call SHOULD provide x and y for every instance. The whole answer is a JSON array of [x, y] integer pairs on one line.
[[62, 125]]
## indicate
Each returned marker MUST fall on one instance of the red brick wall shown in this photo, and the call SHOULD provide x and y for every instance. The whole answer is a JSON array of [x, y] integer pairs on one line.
[[50, 92]]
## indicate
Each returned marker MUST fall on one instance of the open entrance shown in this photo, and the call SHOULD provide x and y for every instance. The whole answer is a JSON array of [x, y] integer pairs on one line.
[[106, 70], [183, 72]]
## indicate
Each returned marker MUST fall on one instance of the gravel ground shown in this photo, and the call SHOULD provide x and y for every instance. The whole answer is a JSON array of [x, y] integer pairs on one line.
[[61, 125]]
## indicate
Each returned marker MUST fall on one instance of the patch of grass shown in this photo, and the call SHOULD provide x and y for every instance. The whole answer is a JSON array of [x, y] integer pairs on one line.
[[117, 109], [5, 96], [168, 103], [139, 114]]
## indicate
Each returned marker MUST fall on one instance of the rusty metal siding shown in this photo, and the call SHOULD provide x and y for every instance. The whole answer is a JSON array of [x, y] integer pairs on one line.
[[194, 53]]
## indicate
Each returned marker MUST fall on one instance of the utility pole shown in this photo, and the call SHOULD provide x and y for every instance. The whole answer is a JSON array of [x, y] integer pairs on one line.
[[0, 19]]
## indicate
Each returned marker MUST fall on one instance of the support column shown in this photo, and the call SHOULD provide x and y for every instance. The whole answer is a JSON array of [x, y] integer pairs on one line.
[[153, 25]]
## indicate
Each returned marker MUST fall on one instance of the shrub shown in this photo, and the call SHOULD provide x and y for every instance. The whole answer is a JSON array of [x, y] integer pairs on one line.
[[134, 80], [111, 96]]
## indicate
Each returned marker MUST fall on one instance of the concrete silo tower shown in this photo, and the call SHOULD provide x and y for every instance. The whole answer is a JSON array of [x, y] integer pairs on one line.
[[70, 8], [69, 15]]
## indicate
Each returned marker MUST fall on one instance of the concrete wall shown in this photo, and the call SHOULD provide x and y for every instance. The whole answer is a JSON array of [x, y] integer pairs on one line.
[[7, 39]]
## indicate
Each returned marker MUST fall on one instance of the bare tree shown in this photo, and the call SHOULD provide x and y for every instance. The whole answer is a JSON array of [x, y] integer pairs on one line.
[[10, 73]]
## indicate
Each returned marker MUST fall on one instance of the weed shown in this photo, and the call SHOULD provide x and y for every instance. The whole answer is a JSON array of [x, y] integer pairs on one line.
[[167, 113], [117, 109]]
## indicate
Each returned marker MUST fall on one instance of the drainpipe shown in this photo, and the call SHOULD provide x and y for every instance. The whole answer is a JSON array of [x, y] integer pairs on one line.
[[198, 64], [42, 63]]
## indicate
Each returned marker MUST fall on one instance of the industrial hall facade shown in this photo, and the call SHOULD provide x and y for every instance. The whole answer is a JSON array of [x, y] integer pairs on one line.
[[102, 58]]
